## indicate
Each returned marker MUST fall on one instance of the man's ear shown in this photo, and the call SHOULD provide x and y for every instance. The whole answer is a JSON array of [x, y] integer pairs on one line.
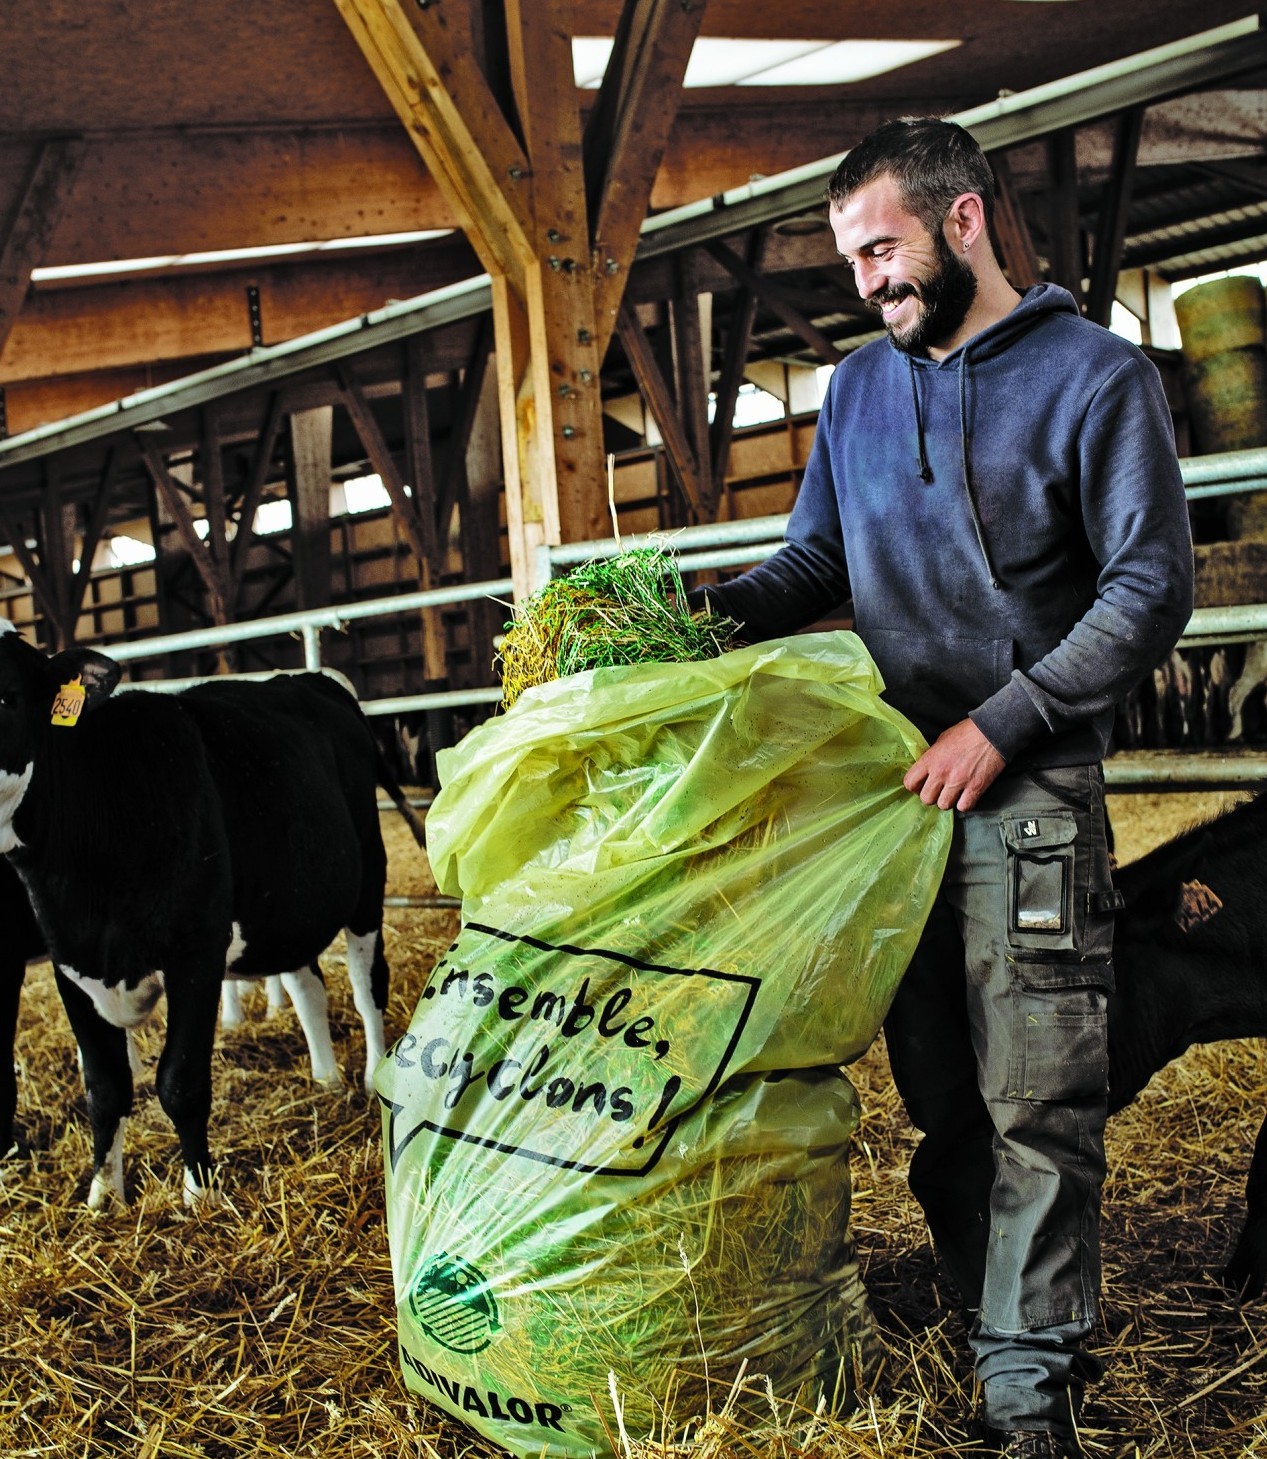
[[98, 674], [965, 222]]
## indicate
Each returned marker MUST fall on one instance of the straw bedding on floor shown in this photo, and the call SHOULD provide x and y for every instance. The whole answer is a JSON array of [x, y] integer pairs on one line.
[[266, 1328]]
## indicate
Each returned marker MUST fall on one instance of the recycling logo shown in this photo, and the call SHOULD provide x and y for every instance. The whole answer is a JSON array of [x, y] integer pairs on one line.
[[453, 1305]]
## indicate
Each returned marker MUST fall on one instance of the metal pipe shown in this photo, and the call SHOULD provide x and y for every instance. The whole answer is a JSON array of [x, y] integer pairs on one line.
[[441, 699], [1141, 770], [1226, 466], [287, 623], [1235, 624]]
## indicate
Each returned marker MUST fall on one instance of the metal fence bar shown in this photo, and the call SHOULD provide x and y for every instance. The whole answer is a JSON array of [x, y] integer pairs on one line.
[[710, 545], [1211, 769], [312, 618]]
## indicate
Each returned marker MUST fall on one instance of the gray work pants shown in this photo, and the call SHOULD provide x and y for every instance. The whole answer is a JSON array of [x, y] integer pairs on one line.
[[998, 1041]]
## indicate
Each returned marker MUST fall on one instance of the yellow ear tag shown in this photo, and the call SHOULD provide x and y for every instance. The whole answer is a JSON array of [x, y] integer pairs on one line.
[[69, 703]]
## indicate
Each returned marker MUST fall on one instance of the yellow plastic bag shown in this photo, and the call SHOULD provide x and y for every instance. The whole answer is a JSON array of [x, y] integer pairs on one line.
[[616, 1128]]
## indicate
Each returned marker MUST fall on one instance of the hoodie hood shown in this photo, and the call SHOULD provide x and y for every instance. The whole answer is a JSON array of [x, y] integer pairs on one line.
[[1035, 303]]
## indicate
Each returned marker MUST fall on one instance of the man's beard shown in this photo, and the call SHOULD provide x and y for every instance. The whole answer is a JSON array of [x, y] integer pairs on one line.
[[942, 300]]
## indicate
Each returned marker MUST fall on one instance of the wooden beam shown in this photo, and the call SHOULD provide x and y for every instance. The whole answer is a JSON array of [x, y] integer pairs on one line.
[[211, 463], [691, 351], [659, 398], [453, 482], [1066, 235], [528, 526], [258, 479], [26, 236], [310, 439], [626, 136], [188, 316], [1114, 211], [41, 586], [57, 537], [738, 339], [561, 384], [421, 468], [422, 482], [178, 508], [92, 531], [1015, 243], [183, 190], [481, 537], [371, 436], [773, 296], [453, 119]]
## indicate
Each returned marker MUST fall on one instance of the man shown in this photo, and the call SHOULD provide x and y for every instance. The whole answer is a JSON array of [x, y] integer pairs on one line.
[[995, 485]]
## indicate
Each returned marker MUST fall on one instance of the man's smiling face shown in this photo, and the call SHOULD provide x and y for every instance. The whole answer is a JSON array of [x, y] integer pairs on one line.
[[910, 277]]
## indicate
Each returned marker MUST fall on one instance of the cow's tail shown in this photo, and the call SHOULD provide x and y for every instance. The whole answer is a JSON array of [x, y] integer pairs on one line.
[[383, 773]]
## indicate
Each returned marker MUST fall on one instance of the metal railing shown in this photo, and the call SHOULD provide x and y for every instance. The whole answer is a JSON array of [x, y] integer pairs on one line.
[[730, 544]]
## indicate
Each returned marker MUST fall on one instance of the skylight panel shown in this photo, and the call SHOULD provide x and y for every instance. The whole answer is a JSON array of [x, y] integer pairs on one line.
[[590, 55], [262, 252], [839, 62], [718, 61]]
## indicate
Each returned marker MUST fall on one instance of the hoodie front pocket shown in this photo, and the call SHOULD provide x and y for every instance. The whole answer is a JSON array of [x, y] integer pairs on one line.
[[938, 681]]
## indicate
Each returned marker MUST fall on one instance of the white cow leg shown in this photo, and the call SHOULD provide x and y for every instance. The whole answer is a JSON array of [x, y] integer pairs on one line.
[[231, 1015], [361, 948], [107, 1179], [135, 1062], [275, 994], [308, 994]]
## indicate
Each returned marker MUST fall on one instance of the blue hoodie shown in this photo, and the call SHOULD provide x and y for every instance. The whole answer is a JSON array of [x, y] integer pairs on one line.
[[1009, 521]]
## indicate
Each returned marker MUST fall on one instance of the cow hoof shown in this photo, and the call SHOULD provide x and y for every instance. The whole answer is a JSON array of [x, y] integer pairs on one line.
[[104, 1193], [199, 1197]]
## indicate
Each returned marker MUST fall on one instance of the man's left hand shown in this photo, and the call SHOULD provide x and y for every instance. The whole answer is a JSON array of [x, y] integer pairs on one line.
[[955, 772]]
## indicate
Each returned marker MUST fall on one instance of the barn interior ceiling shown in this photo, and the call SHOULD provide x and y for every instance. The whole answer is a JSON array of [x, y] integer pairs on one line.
[[146, 129], [186, 190]]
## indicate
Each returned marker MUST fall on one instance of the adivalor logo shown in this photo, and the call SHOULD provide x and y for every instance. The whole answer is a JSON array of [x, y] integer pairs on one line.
[[453, 1305]]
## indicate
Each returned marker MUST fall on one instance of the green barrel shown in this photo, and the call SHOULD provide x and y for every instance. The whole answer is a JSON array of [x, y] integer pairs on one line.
[[1225, 314], [1227, 400]]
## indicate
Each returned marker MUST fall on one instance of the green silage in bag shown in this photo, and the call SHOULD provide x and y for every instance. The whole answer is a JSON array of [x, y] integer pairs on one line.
[[617, 1131]]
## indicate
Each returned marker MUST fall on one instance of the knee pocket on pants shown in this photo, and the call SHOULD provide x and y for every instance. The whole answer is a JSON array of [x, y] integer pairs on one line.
[[1060, 1030]]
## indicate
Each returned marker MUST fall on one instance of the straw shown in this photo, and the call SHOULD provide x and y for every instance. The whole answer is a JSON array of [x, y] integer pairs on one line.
[[267, 1330], [627, 609]]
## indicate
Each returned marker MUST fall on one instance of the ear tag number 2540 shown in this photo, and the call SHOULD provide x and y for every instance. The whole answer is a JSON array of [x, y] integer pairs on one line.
[[69, 703]]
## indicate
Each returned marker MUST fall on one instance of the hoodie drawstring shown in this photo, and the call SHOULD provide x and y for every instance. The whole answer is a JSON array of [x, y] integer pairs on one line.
[[926, 471]]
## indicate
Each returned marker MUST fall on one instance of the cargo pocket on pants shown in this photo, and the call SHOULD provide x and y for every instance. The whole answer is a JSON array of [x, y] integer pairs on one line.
[[1040, 882], [1060, 1031]]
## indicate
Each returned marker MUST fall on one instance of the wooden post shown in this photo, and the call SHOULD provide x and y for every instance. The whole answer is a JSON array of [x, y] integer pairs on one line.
[[311, 432], [520, 186]]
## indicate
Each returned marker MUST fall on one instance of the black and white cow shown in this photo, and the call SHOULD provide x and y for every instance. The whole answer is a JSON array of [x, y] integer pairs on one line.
[[21, 942], [164, 839]]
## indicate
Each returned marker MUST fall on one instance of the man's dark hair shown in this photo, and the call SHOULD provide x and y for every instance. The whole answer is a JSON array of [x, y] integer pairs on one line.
[[933, 162]]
